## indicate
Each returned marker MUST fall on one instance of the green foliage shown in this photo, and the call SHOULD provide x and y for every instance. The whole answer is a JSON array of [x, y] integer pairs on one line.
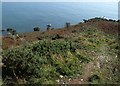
[[57, 37], [83, 59], [41, 62], [63, 55], [95, 79]]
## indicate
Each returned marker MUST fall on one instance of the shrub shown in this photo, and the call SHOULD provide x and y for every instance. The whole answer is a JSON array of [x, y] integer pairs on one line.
[[39, 38], [57, 37], [95, 79], [36, 29], [73, 31], [118, 20], [83, 59], [85, 20], [36, 63], [11, 30]]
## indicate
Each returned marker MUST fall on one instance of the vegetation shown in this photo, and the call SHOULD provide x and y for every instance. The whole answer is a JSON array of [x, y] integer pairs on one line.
[[12, 31], [85, 20], [95, 79], [61, 56], [36, 29], [42, 62], [57, 37]]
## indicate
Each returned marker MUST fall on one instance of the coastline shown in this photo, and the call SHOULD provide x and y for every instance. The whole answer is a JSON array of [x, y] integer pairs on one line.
[[85, 53], [108, 26]]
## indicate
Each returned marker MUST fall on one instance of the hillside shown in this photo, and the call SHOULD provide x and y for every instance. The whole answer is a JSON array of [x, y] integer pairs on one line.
[[85, 53]]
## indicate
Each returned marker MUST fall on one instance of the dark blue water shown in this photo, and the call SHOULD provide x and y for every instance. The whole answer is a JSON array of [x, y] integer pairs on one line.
[[24, 16]]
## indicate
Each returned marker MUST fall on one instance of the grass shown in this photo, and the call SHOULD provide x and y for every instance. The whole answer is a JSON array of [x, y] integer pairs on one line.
[[46, 60], [55, 55]]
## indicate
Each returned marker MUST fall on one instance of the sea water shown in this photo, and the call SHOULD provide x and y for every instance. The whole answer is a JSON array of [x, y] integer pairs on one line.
[[24, 16]]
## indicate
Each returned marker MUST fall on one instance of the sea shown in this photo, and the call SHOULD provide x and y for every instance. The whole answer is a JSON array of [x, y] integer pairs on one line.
[[24, 16]]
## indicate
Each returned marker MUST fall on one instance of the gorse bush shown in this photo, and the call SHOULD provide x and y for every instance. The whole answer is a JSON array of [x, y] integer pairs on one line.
[[95, 79], [41, 62], [83, 59], [36, 28], [57, 37]]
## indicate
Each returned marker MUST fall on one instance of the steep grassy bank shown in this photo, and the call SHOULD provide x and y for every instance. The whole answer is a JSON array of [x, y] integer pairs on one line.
[[81, 54]]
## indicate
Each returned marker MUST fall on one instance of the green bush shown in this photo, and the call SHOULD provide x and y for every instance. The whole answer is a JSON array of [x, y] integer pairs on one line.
[[36, 63], [57, 37], [95, 79], [83, 59]]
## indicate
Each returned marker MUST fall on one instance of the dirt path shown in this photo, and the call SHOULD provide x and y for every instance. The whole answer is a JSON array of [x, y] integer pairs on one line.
[[83, 79], [94, 65], [88, 71], [91, 67]]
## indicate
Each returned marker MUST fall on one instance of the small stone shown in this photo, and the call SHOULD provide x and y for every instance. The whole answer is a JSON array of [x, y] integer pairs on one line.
[[69, 79], [81, 79], [61, 76]]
